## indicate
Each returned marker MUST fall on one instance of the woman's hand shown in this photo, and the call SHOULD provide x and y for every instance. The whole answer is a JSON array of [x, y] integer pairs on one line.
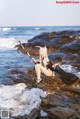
[[57, 64]]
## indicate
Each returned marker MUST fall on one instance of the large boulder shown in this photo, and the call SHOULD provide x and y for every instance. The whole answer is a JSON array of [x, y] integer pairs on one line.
[[54, 41], [63, 44], [62, 105]]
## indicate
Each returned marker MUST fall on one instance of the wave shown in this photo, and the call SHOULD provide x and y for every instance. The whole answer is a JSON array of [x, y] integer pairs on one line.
[[9, 43], [38, 28], [19, 100], [7, 28]]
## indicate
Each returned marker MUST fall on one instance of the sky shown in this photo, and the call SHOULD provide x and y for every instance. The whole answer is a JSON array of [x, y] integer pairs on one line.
[[38, 13]]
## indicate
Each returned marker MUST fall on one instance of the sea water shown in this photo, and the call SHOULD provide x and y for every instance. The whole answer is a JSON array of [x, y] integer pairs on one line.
[[16, 97]]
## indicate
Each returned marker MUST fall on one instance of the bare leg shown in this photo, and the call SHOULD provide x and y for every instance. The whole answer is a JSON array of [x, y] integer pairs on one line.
[[40, 69]]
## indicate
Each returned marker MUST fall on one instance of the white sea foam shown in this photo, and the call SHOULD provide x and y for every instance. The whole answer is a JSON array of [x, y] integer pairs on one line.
[[9, 43], [19, 100], [71, 69], [37, 28], [5, 29]]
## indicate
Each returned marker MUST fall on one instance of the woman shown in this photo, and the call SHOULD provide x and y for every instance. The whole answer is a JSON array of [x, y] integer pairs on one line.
[[43, 66]]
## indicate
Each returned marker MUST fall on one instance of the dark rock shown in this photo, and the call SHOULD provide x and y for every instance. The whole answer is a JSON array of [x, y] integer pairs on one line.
[[34, 114], [20, 76], [44, 117], [62, 105], [73, 47], [74, 89], [59, 99], [48, 83], [51, 84], [60, 113], [74, 117], [67, 78], [62, 43], [56, 57], [54, 41], [21, 117], [6, 81], [75, 107]]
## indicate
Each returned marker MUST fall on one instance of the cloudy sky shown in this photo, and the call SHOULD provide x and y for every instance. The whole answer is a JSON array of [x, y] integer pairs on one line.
[[38, 13]]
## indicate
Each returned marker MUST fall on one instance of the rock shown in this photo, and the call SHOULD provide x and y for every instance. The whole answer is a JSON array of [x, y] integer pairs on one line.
[[60, 113], [73, 47], [62, 105], [73, 59], [54, 41], [6, 81], [74, 117], [59, 99], [56, 57], [73, 89], [62, 43], [34, 114], [67, 78], [51, 84], [20, 117], [48, 83], [20, 76], [75, 107], [44, 117]]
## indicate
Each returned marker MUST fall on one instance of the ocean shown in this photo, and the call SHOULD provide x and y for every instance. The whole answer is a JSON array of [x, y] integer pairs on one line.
[[10, 58]]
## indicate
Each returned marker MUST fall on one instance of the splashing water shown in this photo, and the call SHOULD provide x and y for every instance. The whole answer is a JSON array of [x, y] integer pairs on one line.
[[19, 100]]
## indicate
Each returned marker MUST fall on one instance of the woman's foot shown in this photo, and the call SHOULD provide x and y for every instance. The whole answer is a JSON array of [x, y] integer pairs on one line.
[[39, 80]]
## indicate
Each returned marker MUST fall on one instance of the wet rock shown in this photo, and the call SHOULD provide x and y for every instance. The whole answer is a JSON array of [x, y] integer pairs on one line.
[[54, 41], [60, 113], [55, 83], [20, 76], [21, 117], [65, 44], [73, 47], [63, 100], [67, 78], [62, 105], [49, 84], [6, 81], [74, 89], [74, 117], [58, 99], [56, 57], [34, 114], [75, 107]]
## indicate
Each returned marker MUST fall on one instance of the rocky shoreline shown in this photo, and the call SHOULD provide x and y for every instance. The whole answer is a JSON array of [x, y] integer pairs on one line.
[[63, 100], [63, 44]]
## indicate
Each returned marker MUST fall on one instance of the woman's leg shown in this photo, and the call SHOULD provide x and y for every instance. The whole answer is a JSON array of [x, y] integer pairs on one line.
[[39, 68], [38, 72]]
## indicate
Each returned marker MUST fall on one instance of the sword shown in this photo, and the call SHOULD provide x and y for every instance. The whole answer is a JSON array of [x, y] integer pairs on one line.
[[27, 52]]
